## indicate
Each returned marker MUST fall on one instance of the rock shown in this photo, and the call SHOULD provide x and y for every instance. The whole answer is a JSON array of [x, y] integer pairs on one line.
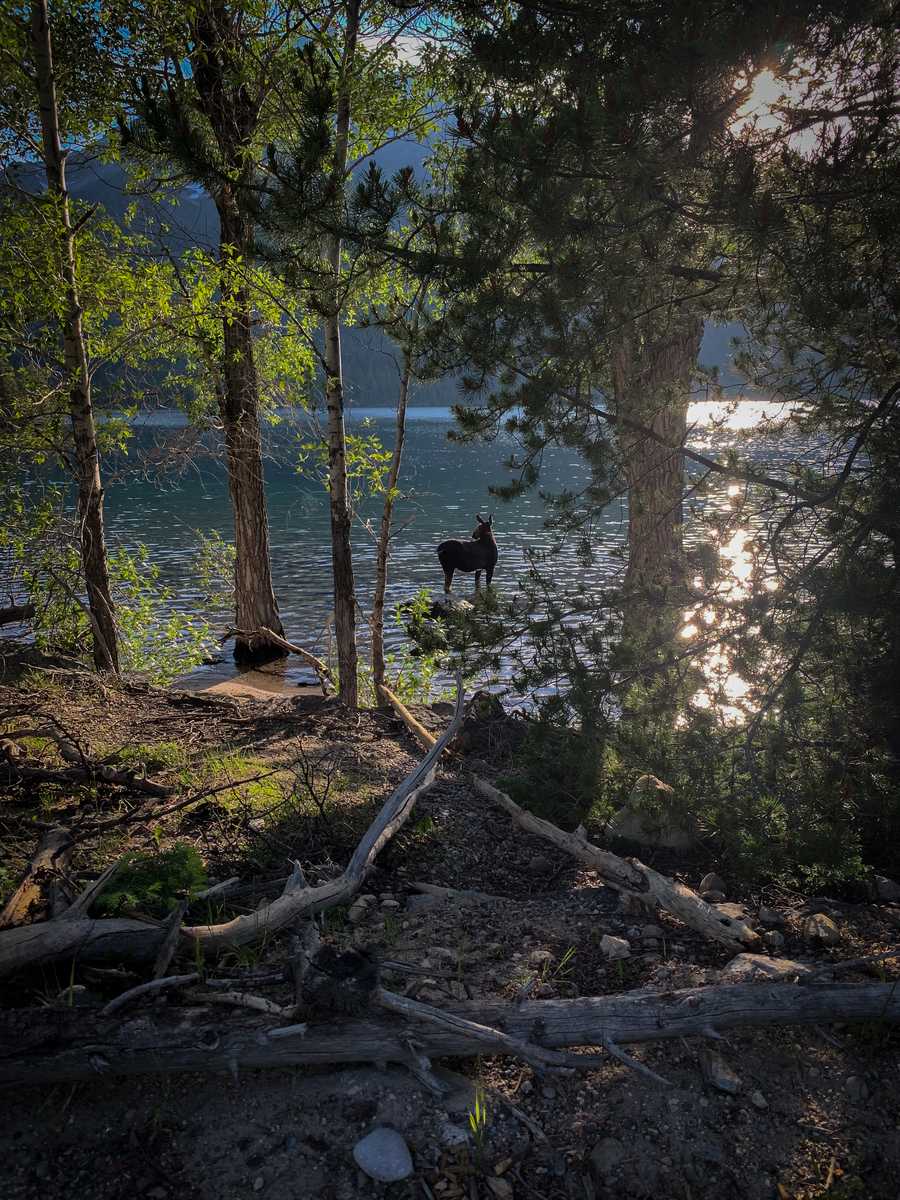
[[500, 1187], [614, 947], [717, 1072], [712, 883], [712, 897], [607, 1155], [886, 890], [758, 1100], [631, 905], [820, 928], [773, 939], [259, 1183], [857, 1089], [736, 912], [747, 968], [540, 958], [383, 1155], [540, 865], [357, 912], [650, 817], [390, 905], [421, 903], [770, 916], [652, 931], [453, 1135]]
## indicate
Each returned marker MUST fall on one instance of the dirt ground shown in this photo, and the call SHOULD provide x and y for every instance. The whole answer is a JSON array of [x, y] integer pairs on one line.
[[816, 1112]]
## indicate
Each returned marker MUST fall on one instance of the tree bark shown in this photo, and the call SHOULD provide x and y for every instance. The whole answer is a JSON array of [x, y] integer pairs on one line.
[[382, 549], [233, 113], [339, 492], [254, 595], [84, 433], [31, 898], [651, 383], [58, 1045]]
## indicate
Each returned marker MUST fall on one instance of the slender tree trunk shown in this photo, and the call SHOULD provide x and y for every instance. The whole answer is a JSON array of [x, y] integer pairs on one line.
[[341, 515], [87, 458], [384, 534], [255, 603], [651, 378]]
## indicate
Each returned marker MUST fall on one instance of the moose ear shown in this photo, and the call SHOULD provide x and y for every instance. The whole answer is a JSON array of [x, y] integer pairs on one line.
[[490, 519], [479, 517]]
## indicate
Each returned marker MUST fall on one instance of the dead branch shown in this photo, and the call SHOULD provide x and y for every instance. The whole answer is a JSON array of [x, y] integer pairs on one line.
[[50, 941], [55, 1045], [416, 728], [145, 989], [13, 614], [630, 876]]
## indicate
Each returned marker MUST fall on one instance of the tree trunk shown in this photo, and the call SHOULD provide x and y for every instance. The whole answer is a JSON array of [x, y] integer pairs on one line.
[[339, 492], [384, 533], [87, 458], [651, 381], [255, 603], [59, 1045]]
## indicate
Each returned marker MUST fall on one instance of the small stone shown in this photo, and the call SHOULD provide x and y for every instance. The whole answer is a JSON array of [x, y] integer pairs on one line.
[[549, 1093], [607, 1155], [383, 1155], [157, 1193], [614, 947], [747, 968], [758, 1100], [719, 1073], [770, 916], [820, 928], [500, 1187], [258, 1183], [712, 883], [857, 1089], [773, 939], [543, 991], [539, 958], [453, 1135], [540, 865], [416, 904], [652, 931], [357, 912], [443, 954], [390, 905], [712, 897], [886, 890]]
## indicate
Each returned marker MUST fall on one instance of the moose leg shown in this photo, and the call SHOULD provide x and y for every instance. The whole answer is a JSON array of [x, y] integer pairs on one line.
[[477, 580], [448, 580]]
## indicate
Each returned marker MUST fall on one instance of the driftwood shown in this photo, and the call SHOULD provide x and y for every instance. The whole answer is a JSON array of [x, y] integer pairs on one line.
[[424, 736], [72, 934], [263, 634], [31, 897], [57, 1045], [632, 877]]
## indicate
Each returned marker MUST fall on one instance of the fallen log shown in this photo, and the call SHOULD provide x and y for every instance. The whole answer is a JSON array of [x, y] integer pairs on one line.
[[31, 898], [58, 1045], [49, 941], [14, 614], [631, 876]]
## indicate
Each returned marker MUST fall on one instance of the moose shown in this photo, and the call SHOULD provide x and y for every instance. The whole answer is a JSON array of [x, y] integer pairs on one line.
[[478, 554]]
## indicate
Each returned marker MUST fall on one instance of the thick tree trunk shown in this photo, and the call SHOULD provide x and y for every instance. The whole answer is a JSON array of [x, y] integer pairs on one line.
[[651, 380], [58, 1045], [384, 534], [87, 458], [255, 604], [339, 492]]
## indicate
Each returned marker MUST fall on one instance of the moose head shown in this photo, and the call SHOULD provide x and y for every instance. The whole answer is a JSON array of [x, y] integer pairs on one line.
[[484, 528]]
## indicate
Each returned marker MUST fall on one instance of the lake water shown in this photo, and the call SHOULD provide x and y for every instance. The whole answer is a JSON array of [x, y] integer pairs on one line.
[[445, 484]]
